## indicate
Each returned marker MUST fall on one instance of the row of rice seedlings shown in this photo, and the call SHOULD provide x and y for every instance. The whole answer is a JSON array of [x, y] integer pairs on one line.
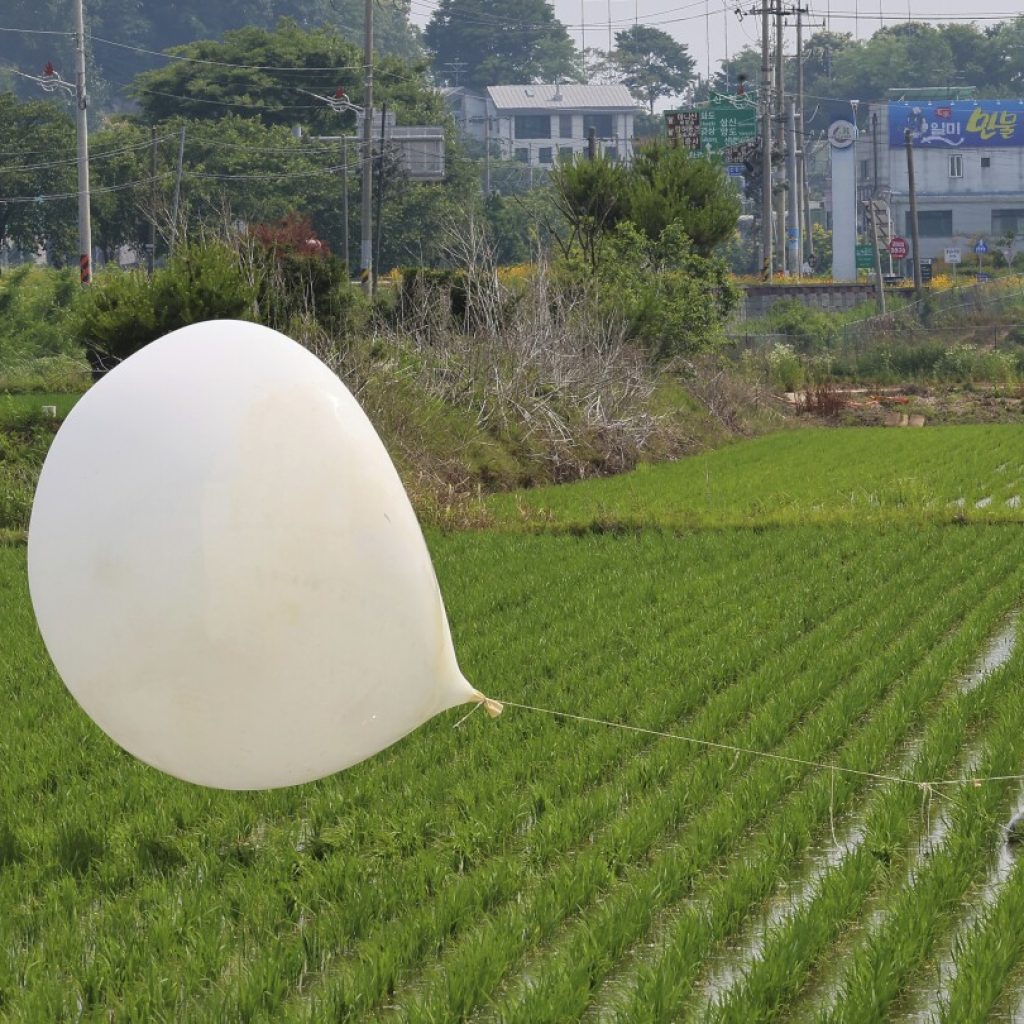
[[707, 837], [794, 945], [881, 966], [574, 974], [716, 715], [221, 939], [931, 995], [987, 957], [736, 971]]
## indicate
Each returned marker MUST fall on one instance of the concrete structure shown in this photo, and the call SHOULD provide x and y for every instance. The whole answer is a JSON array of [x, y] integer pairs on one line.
[[759, 299], [469, 109], [968, 166]]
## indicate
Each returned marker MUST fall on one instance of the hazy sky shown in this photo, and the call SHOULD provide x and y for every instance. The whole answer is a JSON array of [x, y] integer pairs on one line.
[[711, 27]]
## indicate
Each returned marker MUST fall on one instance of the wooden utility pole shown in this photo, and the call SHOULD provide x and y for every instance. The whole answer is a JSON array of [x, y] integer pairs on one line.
[[914, 236]]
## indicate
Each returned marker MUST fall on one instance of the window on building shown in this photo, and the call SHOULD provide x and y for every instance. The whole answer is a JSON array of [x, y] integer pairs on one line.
[[601, 123], [611, 153], [565, 153], [932, 224], [1008, 222], [533, 126], [986, 161], [523, 155], [956, 166], [546, 154], [865, 170], [565, 126]]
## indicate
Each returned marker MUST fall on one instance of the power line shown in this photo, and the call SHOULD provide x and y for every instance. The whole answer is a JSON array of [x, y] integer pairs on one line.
[[58, 196], [92, 157], [221, 63]]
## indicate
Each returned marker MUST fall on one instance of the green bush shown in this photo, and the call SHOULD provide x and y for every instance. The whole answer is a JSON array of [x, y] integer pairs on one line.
[[671, 300], [125, 310], [808, 329], [298, 279], [35, 303]]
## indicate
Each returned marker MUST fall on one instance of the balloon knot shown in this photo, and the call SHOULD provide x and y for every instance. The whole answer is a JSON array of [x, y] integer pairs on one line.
[[492, 707]]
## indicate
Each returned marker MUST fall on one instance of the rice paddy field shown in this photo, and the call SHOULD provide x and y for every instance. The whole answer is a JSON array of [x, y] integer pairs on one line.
[[844, 603]]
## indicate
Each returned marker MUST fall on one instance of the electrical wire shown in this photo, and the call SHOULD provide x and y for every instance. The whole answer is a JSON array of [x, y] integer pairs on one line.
[[221, 63], [93, 157], [59, 196]]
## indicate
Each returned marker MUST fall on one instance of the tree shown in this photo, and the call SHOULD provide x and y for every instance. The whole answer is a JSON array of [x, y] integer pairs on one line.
[[185, 88], [591, 197], [652, 63], [667, 186], [500, 43], [157, 26], [38, 176]]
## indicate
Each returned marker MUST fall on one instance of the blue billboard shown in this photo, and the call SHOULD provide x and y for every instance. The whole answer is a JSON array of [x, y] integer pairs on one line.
[[960, 124]]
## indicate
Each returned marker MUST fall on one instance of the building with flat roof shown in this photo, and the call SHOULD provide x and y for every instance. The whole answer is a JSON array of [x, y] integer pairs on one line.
[[538, 124], [968, 170]]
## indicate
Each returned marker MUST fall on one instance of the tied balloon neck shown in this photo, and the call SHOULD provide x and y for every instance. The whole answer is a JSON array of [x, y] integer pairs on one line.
[[492, 707]]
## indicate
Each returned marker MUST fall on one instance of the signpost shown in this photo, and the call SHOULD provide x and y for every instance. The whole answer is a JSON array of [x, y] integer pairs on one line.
[[865, 255], [683, 127], [717, 127], [725, 125], [953, 255], [898, 248]]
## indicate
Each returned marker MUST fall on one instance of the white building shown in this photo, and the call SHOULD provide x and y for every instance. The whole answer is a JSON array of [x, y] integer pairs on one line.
[[968, 169], [537, 124]]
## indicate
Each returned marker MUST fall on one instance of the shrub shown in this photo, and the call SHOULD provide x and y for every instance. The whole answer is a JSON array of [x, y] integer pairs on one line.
[[806, 328], [35, 303], [125, 310], [298, 278]]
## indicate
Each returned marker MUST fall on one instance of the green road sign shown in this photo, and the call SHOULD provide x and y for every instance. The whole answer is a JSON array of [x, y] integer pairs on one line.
[[865, 257], [724, 124]]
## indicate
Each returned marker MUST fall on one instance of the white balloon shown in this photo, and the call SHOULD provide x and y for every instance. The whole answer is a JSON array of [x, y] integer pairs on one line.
[[226, 569]]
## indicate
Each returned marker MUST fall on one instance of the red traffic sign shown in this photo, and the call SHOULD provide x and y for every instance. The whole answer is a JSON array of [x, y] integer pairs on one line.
[[898, 247]]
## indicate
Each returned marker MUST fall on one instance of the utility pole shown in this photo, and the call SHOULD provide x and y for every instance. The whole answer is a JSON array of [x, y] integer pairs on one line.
[[487, 155], [780, 129], [366, 246], [872, 212], [793, 210], [766, 144], [344, 206], [82, 104], [152, 199], [177, 188], [806, 244], [914, 237]]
